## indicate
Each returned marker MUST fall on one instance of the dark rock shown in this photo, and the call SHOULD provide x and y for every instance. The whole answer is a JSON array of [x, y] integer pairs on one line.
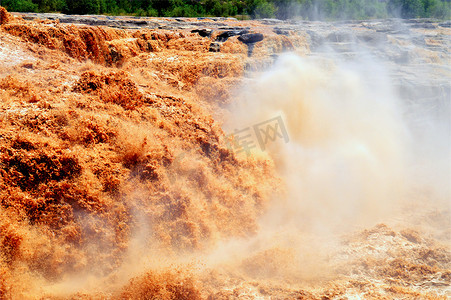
[[340, 37], [204, 32], [347, 22], [281, 31], [419, 21], [228, 28], [250, 38], [215, 47], [27, 66], [392, 28], [423, 25], [116, 56], [270, 21], [135, 22], [446, 24], [226, 34], [29, 17]]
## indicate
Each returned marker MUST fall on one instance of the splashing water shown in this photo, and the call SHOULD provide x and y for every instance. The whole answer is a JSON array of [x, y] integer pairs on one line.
[[345, 162], [120, 184]]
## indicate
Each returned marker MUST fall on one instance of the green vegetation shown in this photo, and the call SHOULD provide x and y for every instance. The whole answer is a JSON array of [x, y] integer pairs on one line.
[[281, 9]]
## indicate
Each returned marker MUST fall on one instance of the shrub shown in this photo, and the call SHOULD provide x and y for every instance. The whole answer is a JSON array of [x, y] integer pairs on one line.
[[20, 5], [264, 9]]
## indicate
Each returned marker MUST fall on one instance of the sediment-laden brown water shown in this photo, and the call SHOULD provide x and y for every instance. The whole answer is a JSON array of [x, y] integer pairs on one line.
[[224, 159]]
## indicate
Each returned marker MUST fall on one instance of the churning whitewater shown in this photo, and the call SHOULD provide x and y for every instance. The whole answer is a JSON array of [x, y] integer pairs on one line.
[[286, 160]]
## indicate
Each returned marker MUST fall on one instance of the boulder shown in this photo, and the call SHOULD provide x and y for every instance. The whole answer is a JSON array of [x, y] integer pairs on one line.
[[250, 38], [204, 32], [223, 36], [281, 31], [215, 47]]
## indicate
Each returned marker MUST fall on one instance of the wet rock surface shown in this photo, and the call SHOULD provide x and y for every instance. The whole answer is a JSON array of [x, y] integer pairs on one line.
[[250, 38], [223, 36], [203, 32], [215, 47]]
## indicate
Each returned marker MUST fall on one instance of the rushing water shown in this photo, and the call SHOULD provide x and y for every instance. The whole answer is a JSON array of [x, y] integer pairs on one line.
[[325, 175]]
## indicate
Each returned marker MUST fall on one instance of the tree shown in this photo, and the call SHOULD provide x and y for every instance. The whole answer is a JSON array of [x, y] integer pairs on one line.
[[405, 9], [264, 9], [83, 6], [20, 5]]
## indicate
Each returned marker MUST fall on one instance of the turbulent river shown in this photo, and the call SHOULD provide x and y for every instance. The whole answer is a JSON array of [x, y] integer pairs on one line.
[[212, 158]]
